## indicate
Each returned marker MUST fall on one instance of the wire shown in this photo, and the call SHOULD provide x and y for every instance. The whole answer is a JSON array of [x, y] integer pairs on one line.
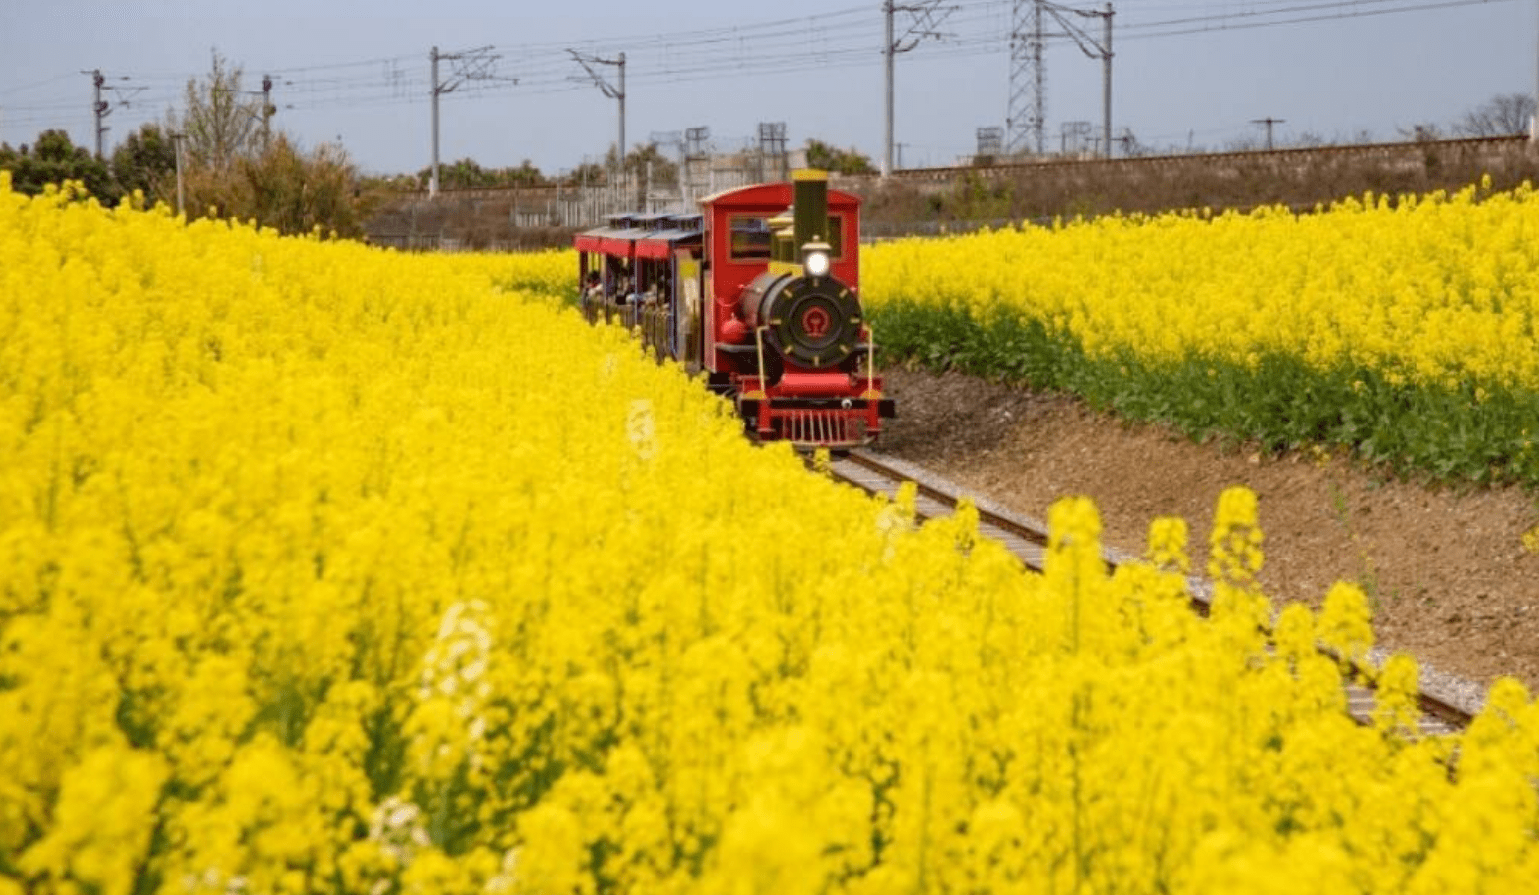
[[835, 40]]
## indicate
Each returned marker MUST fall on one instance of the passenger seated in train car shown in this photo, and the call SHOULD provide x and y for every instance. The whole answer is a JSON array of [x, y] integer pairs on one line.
[[654, 279], [593, 289], [662, 287], [643, 280], [619, 280]]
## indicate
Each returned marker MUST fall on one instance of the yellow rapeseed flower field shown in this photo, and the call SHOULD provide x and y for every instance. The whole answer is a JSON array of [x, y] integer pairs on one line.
[[326, 568], [1435, 290], [1402, 329]]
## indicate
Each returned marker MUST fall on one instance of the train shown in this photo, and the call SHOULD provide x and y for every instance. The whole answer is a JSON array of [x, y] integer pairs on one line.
[[758, 292]]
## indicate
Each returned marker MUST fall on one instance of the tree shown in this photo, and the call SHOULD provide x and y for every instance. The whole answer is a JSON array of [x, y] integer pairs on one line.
[[222, 123], [233, 168], [284, 188], [53, 159], [526, 174], [840, 161], [296, 192], [648, 168], [1422, 133], [146, 161], [1504, 114], [467, 174], [648, 164], [587, 174]]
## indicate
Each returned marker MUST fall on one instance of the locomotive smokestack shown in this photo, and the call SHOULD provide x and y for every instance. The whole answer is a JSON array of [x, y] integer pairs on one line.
[[810, 206]]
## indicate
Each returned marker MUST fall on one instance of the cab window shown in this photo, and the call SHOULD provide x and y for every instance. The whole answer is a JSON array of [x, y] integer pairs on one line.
[[836, 236], [749, 238]]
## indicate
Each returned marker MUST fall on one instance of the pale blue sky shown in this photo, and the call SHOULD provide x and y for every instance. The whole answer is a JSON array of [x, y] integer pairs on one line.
[[1184, 71]]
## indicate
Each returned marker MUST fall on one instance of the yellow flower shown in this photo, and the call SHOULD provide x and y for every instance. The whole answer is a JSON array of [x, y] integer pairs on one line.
[[329, 567]]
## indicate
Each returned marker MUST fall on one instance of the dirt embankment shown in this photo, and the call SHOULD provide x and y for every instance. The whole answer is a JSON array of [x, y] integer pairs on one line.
[[1447, 570]]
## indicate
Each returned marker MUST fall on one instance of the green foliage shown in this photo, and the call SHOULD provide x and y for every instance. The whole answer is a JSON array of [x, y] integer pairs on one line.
[[284, 188], [146, 161], [587, 174], [840, 161], [297, 192], [1468, 434], [53, 159], [468, 174], [978, 198]]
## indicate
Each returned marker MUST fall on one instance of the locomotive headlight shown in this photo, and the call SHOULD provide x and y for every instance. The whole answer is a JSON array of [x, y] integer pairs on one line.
[[815, 259]]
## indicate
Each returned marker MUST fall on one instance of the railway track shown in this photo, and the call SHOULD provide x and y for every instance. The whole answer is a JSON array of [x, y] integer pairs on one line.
[[1445, 704]]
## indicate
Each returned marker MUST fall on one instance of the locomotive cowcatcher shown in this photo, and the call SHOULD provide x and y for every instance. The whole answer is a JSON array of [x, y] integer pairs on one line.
[[760, 292]]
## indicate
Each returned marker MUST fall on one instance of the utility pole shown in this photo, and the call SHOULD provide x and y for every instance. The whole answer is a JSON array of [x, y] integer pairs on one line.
[[1027, 66], [1268, 122], [180, 195], [268, 109], [101, 108], [772, 146], [697, 149], [889, 51], [609, 90], [1026, 116], [1106, 81], [927, 17], [469, 65], [433, 175]]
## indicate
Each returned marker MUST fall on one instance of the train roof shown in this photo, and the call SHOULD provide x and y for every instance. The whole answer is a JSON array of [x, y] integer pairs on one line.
[[680, 229], [650, 235], [615, 236], [775, 193]]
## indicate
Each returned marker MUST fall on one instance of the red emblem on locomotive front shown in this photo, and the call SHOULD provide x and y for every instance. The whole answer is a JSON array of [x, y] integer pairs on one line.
[[815, 323]]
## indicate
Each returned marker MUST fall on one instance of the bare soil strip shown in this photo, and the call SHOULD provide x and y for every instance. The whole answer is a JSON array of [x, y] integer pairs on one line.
[[1446, 569]]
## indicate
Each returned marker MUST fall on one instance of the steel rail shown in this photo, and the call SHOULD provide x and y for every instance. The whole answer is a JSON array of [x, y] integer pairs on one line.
[[1027, 538]]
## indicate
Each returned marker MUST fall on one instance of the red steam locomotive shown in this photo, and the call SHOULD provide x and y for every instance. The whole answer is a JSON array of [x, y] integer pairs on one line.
[[760, 292]]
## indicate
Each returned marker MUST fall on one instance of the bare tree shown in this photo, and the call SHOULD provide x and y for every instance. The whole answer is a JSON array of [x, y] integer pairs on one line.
[[1506, 113], [1421, 133], [222, 122]]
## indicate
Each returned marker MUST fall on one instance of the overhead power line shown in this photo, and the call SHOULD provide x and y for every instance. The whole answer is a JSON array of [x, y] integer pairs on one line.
[[468, 66], [925, 19], [844, 38], [610, 90]]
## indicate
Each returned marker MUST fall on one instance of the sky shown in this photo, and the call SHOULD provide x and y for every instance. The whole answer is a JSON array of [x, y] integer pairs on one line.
[[1185, 73]]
